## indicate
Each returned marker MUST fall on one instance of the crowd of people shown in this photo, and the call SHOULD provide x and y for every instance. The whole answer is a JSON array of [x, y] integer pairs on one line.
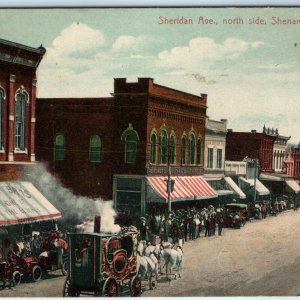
[[193, 222], [35, 245]]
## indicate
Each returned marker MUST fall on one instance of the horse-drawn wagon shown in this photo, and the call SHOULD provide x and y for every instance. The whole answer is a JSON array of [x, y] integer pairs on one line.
[[102, 264]]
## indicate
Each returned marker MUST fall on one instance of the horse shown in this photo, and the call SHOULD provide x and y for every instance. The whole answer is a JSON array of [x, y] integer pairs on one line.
[[173, 258], [146, 266], [154, 253]]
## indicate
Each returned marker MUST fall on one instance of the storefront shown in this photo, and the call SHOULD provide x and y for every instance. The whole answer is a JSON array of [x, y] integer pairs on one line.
[[141, 193], [23, 205]]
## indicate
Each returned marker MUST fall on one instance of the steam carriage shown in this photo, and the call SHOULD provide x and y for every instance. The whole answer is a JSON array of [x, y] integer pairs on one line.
[[101, 264]]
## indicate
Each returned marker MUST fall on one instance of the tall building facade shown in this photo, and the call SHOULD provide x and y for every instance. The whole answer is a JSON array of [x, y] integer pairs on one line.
[[109, 147], [18, 64]]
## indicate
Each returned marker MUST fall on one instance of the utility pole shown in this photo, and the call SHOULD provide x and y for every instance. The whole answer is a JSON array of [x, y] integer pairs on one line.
[[169, 178], [255, 172]]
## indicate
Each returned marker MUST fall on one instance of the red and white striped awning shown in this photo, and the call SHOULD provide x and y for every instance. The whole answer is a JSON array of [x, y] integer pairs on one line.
[[185, 188], [21, 202]]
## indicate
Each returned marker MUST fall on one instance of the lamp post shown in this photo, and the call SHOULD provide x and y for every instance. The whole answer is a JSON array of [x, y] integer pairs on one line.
[[170, 182], [254, 162]]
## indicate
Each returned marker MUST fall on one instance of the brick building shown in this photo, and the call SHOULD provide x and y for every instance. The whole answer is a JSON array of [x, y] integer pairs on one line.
[[251, 144], [122, 147], [18, 64]]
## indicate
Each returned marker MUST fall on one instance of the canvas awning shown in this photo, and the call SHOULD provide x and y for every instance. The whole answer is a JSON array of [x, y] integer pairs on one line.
[[185, 188], [21, 203], [233, 186], [260, 188], [224, 192], [268, 177], [292, 184]]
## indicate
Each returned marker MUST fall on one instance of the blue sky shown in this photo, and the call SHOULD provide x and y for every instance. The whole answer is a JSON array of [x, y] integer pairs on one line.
[[251, 73]]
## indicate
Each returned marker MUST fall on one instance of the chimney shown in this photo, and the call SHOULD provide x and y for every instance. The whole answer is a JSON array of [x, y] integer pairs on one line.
[[253, 131], [97, 224]]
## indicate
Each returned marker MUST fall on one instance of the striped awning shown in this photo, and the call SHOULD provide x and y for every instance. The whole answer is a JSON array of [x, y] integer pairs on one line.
[[21, 203], [293, 185], [233, 186], [185, 188], [260, 188]]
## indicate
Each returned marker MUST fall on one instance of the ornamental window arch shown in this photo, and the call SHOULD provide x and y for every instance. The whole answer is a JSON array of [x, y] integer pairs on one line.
[[21, 99], [199, 149], [192, 147], [153, 146], [183, 148], [130, 138], [59, 146], [163, 145], [172, 147]]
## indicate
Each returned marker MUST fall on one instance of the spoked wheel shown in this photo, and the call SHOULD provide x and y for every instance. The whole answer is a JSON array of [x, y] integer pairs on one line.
[[135, 286], [110, 288], [36, 273], [16, 278], [69, 290]]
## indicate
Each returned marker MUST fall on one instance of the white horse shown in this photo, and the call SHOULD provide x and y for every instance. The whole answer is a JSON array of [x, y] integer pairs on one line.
[[154, 253], [173, 258], [146, 264]]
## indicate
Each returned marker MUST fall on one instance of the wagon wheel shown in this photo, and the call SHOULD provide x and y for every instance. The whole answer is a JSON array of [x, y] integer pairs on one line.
[[36, 273], [64, 267], [110, 288], [69, 290], [135, 286], [16, 278]]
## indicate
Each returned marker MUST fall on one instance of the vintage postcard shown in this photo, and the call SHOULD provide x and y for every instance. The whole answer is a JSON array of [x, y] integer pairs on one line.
[[149, 152]]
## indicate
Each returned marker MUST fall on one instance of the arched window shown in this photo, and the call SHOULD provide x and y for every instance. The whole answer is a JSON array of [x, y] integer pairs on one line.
[[130, 137], [173, 149], [59, 147], [153, 142], [199, 151], [192, 147], [164, 147], [2, 97], [183, 150], [20, 106], [95, 148]]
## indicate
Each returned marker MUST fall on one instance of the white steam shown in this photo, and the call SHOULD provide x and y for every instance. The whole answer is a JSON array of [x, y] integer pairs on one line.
[[75, 209]]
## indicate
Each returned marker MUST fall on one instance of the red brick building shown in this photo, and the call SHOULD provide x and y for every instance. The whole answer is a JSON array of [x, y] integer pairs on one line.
[[18, 64], [296, 156], [252, 144], [109, 146]]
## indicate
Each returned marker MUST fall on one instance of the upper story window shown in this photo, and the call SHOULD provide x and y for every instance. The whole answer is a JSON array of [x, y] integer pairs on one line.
[[2, 97], [199, 151], [59, 147], [153, 147], [173, 149], [183, 150], [192, 149], [130, 137], [210, 158], [219, 158], [95, 148], [163, 147], [20, 117]]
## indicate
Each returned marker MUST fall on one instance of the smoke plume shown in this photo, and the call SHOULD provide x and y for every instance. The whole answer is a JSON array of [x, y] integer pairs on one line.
[[75, 209]]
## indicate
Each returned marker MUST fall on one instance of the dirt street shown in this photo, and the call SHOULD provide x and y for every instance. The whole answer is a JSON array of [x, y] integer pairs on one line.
[[262, 258]]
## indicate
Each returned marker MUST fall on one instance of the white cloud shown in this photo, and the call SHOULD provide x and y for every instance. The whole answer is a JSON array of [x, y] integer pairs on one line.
[[124, 41], [204, 50], [78, 37]]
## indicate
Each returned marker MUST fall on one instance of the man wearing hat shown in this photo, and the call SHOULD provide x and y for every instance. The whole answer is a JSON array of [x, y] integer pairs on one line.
[[143, 229]]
